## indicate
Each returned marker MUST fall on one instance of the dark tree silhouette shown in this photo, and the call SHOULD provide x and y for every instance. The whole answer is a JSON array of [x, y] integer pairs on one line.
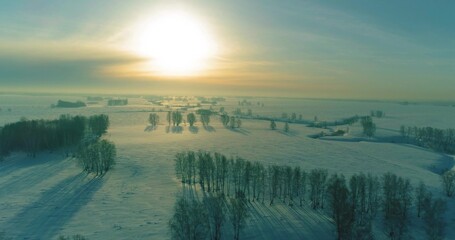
[[342, 208], [189, 221], [191, 118], [369, 128], [99, 124], [272, 125], [154, 119], [238, 214], [448, 182], [216, 210]]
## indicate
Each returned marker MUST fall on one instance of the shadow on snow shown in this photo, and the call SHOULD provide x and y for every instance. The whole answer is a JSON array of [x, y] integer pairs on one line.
[[45, 217]]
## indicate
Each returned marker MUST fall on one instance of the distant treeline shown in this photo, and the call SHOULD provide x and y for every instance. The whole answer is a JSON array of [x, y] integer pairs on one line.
[[66, 104], [353, 202], [117, 102], [32, 136], [325, 124], [437, 139]]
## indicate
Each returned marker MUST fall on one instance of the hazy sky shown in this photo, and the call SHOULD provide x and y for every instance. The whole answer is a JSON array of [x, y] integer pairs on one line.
[[336, 49]]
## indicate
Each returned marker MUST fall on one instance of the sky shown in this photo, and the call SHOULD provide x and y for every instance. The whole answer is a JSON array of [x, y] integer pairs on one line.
[[401, 50]]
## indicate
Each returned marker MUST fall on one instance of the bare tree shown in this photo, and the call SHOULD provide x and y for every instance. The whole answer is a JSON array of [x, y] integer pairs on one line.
[[154, 119], [216, 214], [397, 201], [169, 117], [342, 208], [272, 125], [177, 118], [191, 119], [448, 182], [189, 221], [369, 128], [420, 196], [434, 218], [317, 178], [238, 214]]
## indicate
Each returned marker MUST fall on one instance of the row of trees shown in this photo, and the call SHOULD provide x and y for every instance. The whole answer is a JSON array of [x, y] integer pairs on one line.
[[377, 113], [292, 117], [97, 157], [231, 122], [195, 220], [273, 126], [354, 203], [32, 136], [437, 139], [369, 127], [175, 118]]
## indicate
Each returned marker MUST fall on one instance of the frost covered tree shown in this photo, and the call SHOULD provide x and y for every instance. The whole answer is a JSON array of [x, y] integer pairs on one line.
[[98, 157], [169, 118], [421, 196], [286, 127], [369, 128], [98, 124], [205, 119], [293, 117], [224, 119], [238, 215], [365, 199], [448, 182], [434, 218], [272, 125], [232, 122], [191, 118], [397, 200], [74, 237], [177, 118], [317, 182], [341, 207], [189, 221], [154, 119], [216, 211]]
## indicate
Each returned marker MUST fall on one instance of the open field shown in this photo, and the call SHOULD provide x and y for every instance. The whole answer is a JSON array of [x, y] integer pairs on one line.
[[48, 196]]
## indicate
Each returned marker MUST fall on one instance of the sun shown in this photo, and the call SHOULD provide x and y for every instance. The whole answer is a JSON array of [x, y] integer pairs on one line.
[[175, 42]]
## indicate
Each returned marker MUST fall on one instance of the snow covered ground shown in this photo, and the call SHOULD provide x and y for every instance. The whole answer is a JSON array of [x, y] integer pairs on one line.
[[48, 196]]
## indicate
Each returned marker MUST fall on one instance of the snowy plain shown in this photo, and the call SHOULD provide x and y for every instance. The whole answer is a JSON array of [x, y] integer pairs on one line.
[[48, 196]]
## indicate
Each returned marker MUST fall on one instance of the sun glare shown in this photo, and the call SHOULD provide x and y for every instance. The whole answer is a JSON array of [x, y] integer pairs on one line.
[[175, 42]]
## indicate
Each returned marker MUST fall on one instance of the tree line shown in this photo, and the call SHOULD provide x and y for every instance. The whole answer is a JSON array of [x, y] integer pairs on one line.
[[230, 121], [353, 203], [97, 157], [176, 118], [206, 219], [434, 138], [32, 136]]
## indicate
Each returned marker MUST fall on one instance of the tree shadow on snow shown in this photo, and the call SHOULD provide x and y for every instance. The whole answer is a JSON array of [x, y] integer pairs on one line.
[[193, 129], [174, 129], [32, 171], [150, 128], [290, 133], [209, 129], [443, 164], [47, 215], [239, 130]]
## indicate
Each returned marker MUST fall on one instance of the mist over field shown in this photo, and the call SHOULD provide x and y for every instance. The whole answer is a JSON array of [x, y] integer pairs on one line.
[[46, 193], [227, 120]]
